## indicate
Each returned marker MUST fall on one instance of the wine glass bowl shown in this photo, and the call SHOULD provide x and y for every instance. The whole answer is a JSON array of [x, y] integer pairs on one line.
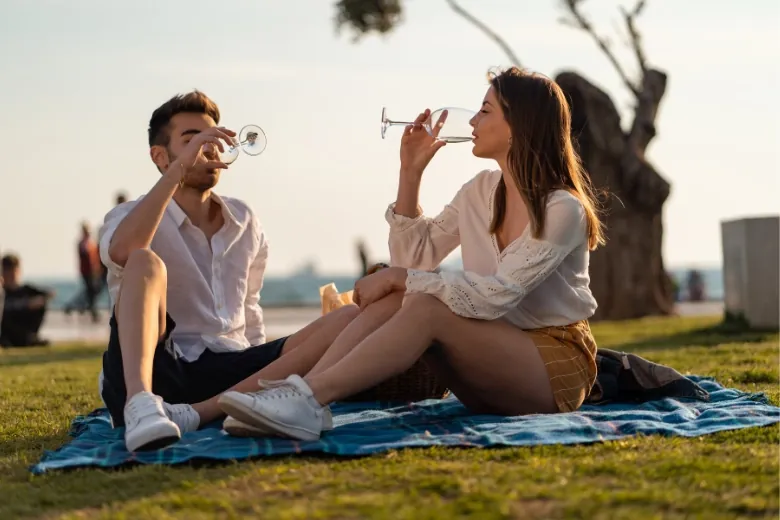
[[448, 124], [251, 140]]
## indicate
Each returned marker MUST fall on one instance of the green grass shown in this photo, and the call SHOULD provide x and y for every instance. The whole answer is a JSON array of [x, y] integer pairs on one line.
[[728, 475]]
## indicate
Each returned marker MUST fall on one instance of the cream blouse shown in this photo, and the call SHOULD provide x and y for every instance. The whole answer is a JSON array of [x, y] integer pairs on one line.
[[533, 283]]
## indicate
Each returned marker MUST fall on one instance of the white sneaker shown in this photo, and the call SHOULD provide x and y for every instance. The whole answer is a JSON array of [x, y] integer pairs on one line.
[[184, 415], [286, 408], [236, 428], [147, 427]]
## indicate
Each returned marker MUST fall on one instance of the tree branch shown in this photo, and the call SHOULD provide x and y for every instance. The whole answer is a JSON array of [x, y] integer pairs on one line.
[[486, 30], [583, 23], [636, 38]]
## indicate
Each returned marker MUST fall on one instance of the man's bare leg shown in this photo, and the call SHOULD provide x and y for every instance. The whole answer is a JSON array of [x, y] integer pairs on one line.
[[140, 315]]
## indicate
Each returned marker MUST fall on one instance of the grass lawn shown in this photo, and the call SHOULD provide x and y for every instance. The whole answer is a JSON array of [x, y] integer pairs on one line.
[[728, 475]]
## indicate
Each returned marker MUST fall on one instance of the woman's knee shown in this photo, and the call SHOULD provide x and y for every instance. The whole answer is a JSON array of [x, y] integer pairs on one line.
[[388, 305], [346, 313], [146, 264], [425, 309]]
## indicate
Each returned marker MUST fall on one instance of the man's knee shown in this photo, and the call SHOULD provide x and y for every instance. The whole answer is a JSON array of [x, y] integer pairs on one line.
[[146, 264]]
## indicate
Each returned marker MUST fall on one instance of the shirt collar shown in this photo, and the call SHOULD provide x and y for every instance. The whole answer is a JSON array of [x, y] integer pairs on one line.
[[179, 217]]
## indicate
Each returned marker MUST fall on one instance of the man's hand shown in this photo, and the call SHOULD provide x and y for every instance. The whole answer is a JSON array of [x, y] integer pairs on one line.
[[200, 151]]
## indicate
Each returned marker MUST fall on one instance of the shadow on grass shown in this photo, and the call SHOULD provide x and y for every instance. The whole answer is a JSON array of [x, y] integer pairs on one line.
[[17, 357], [709, 336]]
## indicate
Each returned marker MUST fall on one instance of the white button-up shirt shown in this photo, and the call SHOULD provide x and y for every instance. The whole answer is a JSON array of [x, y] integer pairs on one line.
[[213, 289]]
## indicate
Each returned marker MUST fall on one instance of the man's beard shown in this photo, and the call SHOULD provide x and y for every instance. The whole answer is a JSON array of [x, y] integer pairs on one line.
[[198, 178]]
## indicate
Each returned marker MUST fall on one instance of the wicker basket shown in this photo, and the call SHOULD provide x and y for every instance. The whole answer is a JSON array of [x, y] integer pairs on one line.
[[416, 384]]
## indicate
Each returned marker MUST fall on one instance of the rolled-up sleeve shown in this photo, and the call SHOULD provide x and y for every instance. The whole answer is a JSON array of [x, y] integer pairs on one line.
[[106, 232]]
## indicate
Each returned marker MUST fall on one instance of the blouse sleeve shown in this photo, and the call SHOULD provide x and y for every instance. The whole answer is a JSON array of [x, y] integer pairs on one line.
[[422, 242], [523, 266]]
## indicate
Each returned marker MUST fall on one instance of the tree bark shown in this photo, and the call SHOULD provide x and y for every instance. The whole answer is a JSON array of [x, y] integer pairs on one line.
[[628, 277]]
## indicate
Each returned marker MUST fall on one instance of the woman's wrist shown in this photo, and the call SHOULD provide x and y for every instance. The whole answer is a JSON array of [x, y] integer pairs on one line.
[[399, 278]]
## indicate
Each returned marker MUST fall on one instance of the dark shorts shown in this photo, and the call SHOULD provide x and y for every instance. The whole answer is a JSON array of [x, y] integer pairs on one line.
[[178, 381]]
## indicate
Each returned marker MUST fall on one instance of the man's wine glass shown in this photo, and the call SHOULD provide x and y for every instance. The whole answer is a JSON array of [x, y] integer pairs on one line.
[[251, 139], [449, 124]]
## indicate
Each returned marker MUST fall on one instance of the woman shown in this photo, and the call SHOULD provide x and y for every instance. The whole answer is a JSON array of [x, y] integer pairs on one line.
[[508, 335]]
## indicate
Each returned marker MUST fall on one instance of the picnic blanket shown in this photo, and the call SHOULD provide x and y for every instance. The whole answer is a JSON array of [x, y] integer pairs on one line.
[[366, 428]]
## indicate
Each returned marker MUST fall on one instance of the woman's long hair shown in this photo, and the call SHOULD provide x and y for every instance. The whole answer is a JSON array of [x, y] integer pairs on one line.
[[541, 156]]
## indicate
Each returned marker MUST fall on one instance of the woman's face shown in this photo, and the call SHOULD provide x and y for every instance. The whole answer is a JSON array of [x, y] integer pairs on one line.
[[492, 134]]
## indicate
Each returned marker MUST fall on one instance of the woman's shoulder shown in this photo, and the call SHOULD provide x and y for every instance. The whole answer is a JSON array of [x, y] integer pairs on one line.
[[565, 199], [483, 182]]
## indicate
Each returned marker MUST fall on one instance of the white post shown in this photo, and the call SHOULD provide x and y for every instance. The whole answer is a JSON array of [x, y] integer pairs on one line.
[[751, 268]]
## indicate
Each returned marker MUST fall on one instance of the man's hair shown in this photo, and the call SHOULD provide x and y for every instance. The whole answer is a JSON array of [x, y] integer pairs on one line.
[[10, 261], [194, 102]]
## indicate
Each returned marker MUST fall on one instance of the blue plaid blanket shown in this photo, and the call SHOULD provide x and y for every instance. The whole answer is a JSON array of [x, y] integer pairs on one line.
[[366, 428]]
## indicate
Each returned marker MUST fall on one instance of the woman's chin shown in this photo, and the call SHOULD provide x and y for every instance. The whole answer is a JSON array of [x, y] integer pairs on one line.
[[476, 151]]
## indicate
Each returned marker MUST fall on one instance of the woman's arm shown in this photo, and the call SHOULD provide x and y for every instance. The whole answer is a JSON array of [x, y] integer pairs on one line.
[[420, 242]]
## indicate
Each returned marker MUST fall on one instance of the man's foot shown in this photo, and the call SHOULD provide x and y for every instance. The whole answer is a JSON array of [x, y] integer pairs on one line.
[[286, 408], [183, 415], [147, 427]]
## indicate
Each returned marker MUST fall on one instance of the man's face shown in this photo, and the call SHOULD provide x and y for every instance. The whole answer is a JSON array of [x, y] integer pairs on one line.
[[183, 127], [11, 276]]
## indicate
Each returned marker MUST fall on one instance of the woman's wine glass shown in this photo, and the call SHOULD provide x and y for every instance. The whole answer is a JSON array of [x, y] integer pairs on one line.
[[251, 139], [449, 124]]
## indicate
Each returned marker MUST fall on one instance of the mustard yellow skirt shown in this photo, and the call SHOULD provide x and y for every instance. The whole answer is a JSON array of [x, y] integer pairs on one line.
[[569, 353]]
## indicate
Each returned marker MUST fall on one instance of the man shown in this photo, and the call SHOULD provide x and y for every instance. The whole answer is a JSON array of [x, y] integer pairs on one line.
[[24, 308], [185, 272], [90, 270]]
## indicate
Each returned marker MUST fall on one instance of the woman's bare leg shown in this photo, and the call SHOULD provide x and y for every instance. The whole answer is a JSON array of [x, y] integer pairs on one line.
[[373, 317], [490, 364], [300, 353]]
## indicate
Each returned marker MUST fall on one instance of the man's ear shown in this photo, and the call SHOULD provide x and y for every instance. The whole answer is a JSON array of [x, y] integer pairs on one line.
[[159, 155]]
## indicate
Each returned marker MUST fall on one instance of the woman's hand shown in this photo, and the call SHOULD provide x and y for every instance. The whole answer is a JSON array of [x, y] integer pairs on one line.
[[374, 287], [418, 146]]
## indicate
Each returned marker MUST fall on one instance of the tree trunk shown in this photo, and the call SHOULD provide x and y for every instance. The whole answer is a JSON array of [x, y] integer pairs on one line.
[[628, 277]]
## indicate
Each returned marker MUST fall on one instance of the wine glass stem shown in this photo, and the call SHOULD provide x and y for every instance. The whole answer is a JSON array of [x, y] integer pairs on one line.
[[392, 123]]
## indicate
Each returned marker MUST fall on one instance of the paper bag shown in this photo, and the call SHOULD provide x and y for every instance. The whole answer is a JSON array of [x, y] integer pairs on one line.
[[332, 300]]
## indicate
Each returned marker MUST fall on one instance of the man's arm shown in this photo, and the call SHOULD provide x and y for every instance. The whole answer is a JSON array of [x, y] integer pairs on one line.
[[138, 227]]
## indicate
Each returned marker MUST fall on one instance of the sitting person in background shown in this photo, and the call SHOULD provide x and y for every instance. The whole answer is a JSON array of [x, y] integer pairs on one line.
[[24, 308]]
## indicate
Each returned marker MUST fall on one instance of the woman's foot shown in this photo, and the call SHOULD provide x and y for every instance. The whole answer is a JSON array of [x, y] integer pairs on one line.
[[286, 408]]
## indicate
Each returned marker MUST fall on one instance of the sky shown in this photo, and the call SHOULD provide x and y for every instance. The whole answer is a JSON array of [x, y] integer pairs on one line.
[[80, 78]]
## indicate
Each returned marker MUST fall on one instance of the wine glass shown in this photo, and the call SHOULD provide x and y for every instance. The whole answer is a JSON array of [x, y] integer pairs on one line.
[[448, 124], [251, 139]]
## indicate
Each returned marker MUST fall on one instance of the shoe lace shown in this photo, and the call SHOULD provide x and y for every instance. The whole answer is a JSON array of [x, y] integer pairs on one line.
[[142, 407], [278, 389], [180, 414]]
